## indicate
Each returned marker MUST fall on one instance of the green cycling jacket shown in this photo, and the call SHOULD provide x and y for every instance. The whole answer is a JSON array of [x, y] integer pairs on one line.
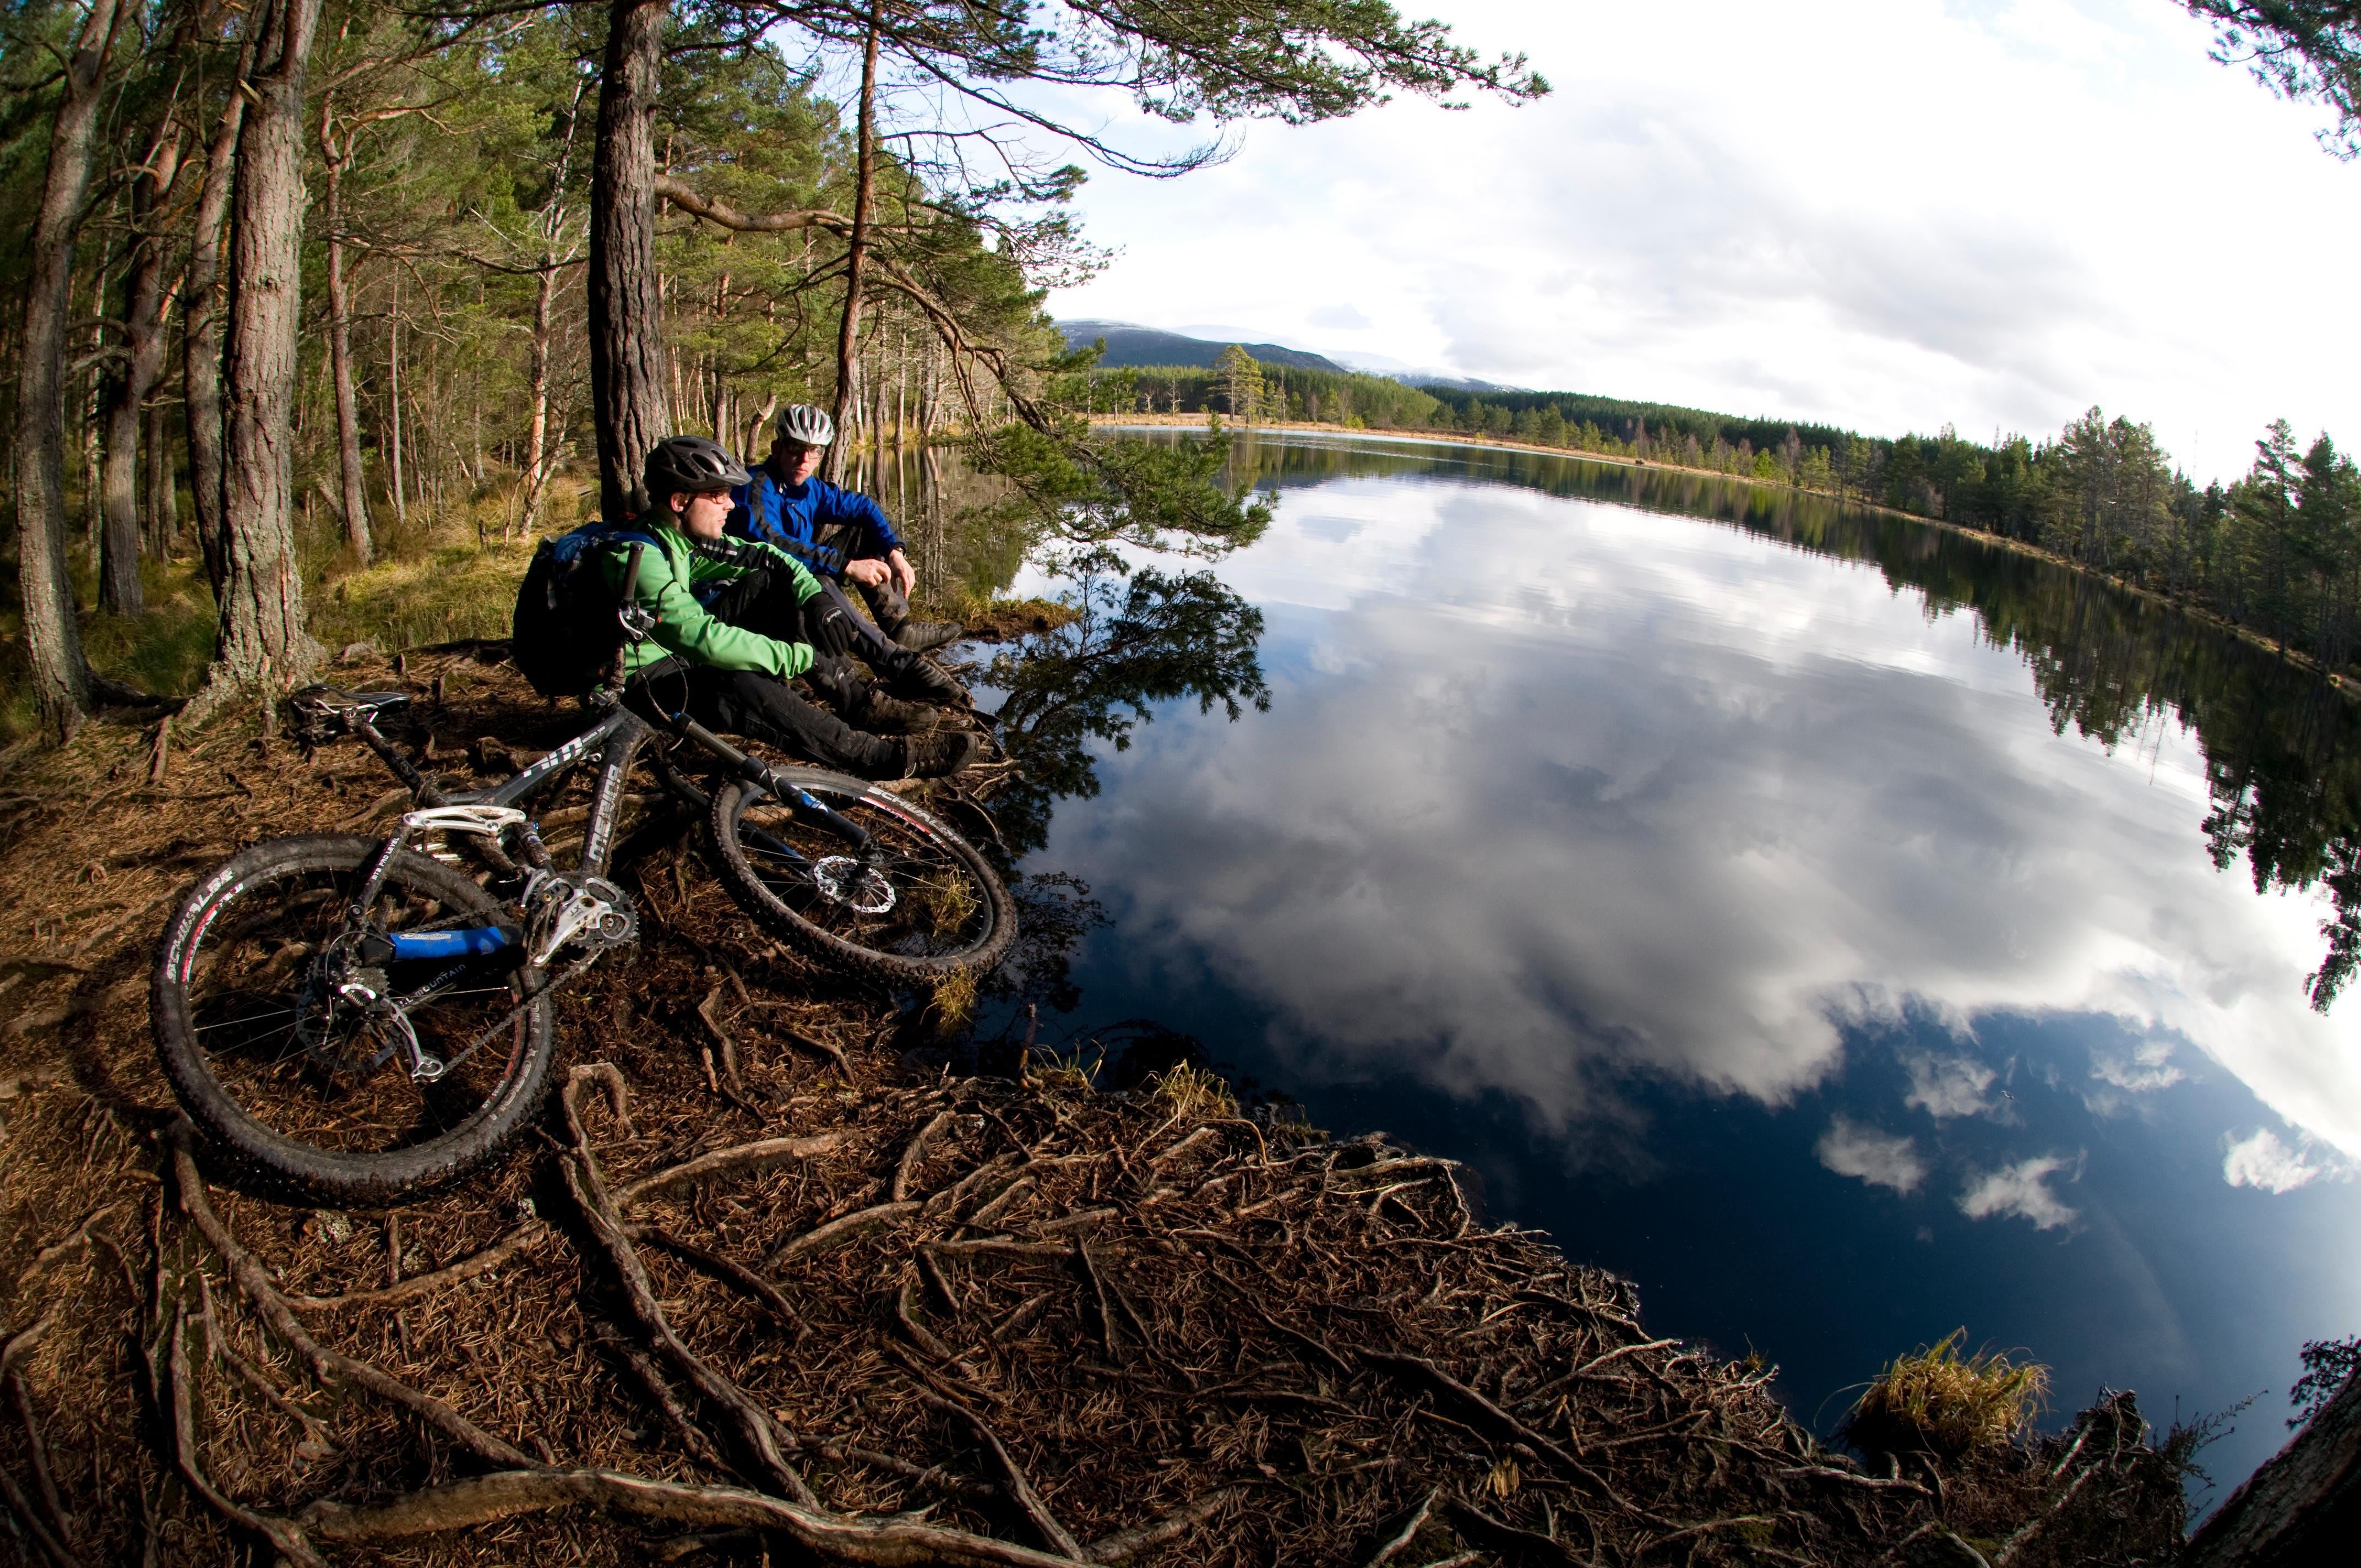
[[670, 576]]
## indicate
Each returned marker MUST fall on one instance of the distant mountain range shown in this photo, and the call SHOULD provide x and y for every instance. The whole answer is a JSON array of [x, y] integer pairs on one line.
[[1127, 344]]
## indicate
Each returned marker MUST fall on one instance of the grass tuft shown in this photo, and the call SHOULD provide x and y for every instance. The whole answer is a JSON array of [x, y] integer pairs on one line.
[[948, 901], [1072, 1074], [954, 1003], [1193, 1093], [1936, 1400]]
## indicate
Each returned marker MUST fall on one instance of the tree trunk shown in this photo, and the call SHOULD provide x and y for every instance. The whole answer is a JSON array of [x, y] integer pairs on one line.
[[262, 639], [201, 343], [52, 635], [627, 348], [93, 467], [536, 450], [340, 342], [393, 398], [2303, 1507], [856, 261], [163, 507], [142, 346]]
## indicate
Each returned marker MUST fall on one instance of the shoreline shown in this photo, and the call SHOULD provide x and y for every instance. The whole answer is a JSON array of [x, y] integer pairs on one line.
[[2347, 685]]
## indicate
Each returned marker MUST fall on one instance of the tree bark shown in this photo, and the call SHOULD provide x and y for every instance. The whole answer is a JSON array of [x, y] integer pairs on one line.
[[163, 504], [262, 640], [627, 348], [52, 635], [2303, 1507], [332, 162], [393, 398], [119, 591], [536, 451], [200, 340], [856, 261]]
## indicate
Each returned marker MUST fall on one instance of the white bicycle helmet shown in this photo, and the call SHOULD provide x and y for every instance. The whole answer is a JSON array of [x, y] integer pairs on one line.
[[803, 423]]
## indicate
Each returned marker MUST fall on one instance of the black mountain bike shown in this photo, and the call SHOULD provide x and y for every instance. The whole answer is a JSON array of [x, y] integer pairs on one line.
[[361, 1022]]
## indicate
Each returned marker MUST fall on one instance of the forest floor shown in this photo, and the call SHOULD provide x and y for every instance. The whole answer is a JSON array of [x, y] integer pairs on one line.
[[772, 1278]]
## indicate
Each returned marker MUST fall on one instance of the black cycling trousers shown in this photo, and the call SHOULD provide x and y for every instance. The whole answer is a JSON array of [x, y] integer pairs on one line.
[[760, 601], [766, 709], [873, 633]]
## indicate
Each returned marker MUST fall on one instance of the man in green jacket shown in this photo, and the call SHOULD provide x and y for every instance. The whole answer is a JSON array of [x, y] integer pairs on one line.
[[736, 620]]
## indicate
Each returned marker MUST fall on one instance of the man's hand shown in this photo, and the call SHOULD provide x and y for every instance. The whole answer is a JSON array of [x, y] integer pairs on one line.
[[905, 579], [872, 571]]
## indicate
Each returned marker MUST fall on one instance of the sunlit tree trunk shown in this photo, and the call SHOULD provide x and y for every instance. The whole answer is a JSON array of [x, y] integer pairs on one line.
[[536, 449], [201, 336], [394, 399], [847, 332], [627, 350], [60, 681], [143, 349], [262, 639], [334, 160]]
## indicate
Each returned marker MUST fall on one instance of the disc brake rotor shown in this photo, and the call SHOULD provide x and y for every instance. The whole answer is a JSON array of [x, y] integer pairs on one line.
[[863, 889]]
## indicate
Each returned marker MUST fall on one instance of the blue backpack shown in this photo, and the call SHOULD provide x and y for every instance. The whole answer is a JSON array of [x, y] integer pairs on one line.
[[567, 638]]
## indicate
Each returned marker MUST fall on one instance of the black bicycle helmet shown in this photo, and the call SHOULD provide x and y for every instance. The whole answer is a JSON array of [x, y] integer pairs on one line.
[[690, 463]]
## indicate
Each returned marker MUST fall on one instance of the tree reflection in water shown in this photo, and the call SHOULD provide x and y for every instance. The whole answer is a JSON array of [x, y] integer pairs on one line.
[[1141, 637], [2282, 747]]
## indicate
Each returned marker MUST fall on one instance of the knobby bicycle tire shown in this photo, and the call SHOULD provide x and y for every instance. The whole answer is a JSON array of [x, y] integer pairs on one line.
[[950, 913], [228, 1001]]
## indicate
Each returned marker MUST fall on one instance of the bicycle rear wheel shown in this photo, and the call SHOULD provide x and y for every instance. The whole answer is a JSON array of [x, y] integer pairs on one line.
[[920, 906], [307, 1089]]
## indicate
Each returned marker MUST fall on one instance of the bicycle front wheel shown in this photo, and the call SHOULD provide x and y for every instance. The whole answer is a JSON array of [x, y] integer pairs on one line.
[[317, 1094], [916, 903]]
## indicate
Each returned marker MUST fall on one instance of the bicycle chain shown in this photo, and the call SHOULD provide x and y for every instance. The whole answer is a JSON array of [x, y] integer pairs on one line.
[[574, 972]]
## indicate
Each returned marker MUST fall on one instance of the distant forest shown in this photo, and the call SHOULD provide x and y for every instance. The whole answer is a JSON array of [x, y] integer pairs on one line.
[[2279, 550]]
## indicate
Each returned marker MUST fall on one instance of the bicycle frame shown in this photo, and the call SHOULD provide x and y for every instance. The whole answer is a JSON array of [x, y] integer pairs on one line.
[[617, 740]]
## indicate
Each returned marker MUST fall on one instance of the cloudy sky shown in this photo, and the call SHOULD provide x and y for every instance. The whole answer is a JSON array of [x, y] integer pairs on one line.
[[1882, 213]]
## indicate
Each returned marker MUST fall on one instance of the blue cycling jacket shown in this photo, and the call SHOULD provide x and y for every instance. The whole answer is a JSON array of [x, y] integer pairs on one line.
[[796, 517]]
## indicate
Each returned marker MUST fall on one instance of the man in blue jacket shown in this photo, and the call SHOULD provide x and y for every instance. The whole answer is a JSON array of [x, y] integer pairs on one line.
[[736, 622], [835, 532]]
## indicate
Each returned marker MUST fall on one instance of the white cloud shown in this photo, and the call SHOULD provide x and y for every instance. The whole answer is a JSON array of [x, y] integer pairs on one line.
[[2144, 1069], [2121, 1077], [2262, 1161], [1718, 748], [2020, 1191], [1948, 1087], [1879, 1159], [1746, 223]]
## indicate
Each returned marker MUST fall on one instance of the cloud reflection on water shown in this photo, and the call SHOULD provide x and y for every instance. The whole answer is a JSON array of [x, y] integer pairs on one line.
[[1552, 793]]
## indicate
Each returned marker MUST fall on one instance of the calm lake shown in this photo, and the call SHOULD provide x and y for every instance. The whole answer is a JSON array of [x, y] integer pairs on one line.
[[1845, 929]]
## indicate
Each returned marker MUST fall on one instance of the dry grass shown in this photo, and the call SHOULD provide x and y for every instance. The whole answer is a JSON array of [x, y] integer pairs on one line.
[[1192, 1093], [953, 1001], [996, 620], [1936, 1400]]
